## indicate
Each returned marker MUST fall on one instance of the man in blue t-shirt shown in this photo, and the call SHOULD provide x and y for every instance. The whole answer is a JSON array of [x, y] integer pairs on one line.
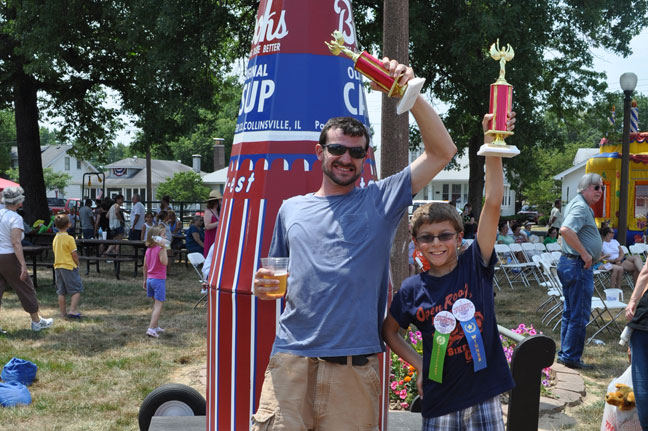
[[323, 373]]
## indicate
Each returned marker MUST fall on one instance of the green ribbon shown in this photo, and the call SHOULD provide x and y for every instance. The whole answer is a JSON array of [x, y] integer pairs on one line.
[[439, 349]]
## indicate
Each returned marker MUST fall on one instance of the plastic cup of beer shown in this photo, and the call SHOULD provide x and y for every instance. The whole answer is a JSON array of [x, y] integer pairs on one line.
[[279, 266]]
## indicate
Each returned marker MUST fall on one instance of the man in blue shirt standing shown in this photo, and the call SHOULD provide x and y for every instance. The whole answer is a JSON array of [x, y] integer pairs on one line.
[[323, 373], [581, 245]]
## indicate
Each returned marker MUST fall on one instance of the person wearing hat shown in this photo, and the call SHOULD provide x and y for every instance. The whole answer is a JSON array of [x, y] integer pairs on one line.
[[12, 260], [212, 215]]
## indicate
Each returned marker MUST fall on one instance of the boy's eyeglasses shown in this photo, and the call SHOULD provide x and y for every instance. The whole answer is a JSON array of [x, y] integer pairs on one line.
[[338, 150], [597, 188], [445, 236]]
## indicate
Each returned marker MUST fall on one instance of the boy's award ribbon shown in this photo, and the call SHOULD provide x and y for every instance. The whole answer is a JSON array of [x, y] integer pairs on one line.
[[444, 324], [464, 310]]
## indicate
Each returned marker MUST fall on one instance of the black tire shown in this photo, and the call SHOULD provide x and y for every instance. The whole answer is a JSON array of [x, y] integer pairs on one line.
[[172, 399]]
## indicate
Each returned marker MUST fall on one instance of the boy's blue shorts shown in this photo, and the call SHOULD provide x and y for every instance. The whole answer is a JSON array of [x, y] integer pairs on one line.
[[156, 288]]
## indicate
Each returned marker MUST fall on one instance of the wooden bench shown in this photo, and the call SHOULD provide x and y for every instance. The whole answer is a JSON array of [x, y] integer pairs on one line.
[[44, 265], [117, 260]]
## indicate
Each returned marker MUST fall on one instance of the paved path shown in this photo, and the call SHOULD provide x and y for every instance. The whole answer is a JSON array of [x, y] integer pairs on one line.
[[570, 388]]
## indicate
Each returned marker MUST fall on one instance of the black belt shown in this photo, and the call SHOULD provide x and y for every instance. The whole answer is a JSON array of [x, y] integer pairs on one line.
[[571, 256], [342, 360]]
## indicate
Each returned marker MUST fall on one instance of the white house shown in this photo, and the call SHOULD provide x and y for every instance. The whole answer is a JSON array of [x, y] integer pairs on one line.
[[453, 185], [57, 158], [128, 176], [570, 177], [217, 179]]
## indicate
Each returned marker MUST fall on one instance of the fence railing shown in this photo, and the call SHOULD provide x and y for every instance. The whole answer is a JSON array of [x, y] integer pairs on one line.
[[530, 356]]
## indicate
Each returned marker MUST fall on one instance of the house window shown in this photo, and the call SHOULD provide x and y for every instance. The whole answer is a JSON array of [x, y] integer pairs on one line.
[[78, 165], [445, 193], [67, 163], [456, 193], [506, 199]]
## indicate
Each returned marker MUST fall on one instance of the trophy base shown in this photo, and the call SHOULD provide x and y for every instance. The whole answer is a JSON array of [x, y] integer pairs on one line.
[[490, 150], [412, 91]]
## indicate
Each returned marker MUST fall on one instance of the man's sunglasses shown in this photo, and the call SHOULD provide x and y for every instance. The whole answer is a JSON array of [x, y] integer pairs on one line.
[[597, 188], [445, 236], [338, 150]]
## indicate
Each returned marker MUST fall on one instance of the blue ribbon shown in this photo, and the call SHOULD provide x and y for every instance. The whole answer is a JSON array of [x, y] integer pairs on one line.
[[475, 342]]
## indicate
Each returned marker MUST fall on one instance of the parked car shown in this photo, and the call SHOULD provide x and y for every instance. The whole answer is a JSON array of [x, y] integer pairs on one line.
[[57, 205], [529, 212]]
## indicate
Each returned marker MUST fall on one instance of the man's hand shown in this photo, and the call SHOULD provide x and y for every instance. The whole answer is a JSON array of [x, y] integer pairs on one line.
[[395, 70], [587, 258], [264, 286]]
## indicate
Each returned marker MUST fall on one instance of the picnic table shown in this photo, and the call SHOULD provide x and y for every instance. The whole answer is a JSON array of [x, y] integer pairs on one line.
[[34, 252], [88, 251]]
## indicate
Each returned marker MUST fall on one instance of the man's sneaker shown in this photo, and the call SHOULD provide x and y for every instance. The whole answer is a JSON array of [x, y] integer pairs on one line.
[[151, 333], [159, 330], [44, 323], [2, 331]]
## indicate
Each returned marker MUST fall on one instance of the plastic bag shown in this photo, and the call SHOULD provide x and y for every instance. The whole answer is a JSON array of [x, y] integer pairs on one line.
[[19, 370], [619, 420], [14, 393]]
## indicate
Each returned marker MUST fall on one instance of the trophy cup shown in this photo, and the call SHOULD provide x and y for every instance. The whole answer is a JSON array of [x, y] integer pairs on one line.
[[373, 69], [501, 100]]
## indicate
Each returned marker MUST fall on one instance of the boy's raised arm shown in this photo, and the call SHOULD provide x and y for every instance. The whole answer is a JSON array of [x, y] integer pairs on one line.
[[493, 193]]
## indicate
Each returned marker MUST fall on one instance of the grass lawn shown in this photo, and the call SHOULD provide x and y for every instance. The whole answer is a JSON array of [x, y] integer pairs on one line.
[[94, 374]]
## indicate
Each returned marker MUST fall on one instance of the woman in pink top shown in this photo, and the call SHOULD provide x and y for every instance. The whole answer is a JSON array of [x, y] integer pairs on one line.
[[212, 215], [155, 269]]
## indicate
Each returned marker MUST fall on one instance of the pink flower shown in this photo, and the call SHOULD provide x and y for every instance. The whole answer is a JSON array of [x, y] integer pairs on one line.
[[394, 385], [404, 405], [403, 394], [532, 332]]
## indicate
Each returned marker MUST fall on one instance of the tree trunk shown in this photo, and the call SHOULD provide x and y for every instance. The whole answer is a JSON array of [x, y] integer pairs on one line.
[[476, 178], [149, 182], [394, 151], [30, 164]]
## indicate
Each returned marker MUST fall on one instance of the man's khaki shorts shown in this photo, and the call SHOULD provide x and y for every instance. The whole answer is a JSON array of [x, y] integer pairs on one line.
[[310, 394]]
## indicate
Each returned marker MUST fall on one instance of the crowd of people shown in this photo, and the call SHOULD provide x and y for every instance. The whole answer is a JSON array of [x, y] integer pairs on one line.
[[105, 221]]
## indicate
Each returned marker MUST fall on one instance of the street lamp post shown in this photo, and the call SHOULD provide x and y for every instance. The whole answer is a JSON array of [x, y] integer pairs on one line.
[[628, 83]]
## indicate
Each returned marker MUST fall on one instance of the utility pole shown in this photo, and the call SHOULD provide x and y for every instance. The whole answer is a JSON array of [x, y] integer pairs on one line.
[[394, 150]]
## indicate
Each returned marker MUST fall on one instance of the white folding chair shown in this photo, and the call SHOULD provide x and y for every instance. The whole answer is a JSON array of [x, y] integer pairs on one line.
[[512, 270], [555, 296], [639, 249], [553, 246], [196, 260], [611, 299], [529, 250]]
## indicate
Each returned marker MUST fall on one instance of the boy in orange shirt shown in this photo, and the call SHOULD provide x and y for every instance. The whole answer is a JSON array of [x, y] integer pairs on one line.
[[66, 268]]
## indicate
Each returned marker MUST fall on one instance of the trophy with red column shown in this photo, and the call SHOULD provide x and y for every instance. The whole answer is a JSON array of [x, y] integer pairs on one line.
[[373, 69], [501, 101]]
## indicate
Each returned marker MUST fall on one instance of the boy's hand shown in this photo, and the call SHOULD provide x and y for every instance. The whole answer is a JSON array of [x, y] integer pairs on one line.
[[264, 286], [510, 125], [419, 383], [144, 285]]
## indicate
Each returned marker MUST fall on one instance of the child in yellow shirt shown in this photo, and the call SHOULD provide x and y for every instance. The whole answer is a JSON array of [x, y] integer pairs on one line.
[[66, 268]]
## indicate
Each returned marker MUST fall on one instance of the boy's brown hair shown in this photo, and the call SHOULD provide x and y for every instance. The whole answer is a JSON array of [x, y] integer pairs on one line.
[[61, 221], [436, 213]]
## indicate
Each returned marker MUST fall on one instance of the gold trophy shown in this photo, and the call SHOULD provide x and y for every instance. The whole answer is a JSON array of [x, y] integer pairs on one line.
[[373, 69], [501, 101]]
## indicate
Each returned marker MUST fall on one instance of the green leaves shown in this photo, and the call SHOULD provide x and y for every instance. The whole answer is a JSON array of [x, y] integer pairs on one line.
[[184, 187]]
